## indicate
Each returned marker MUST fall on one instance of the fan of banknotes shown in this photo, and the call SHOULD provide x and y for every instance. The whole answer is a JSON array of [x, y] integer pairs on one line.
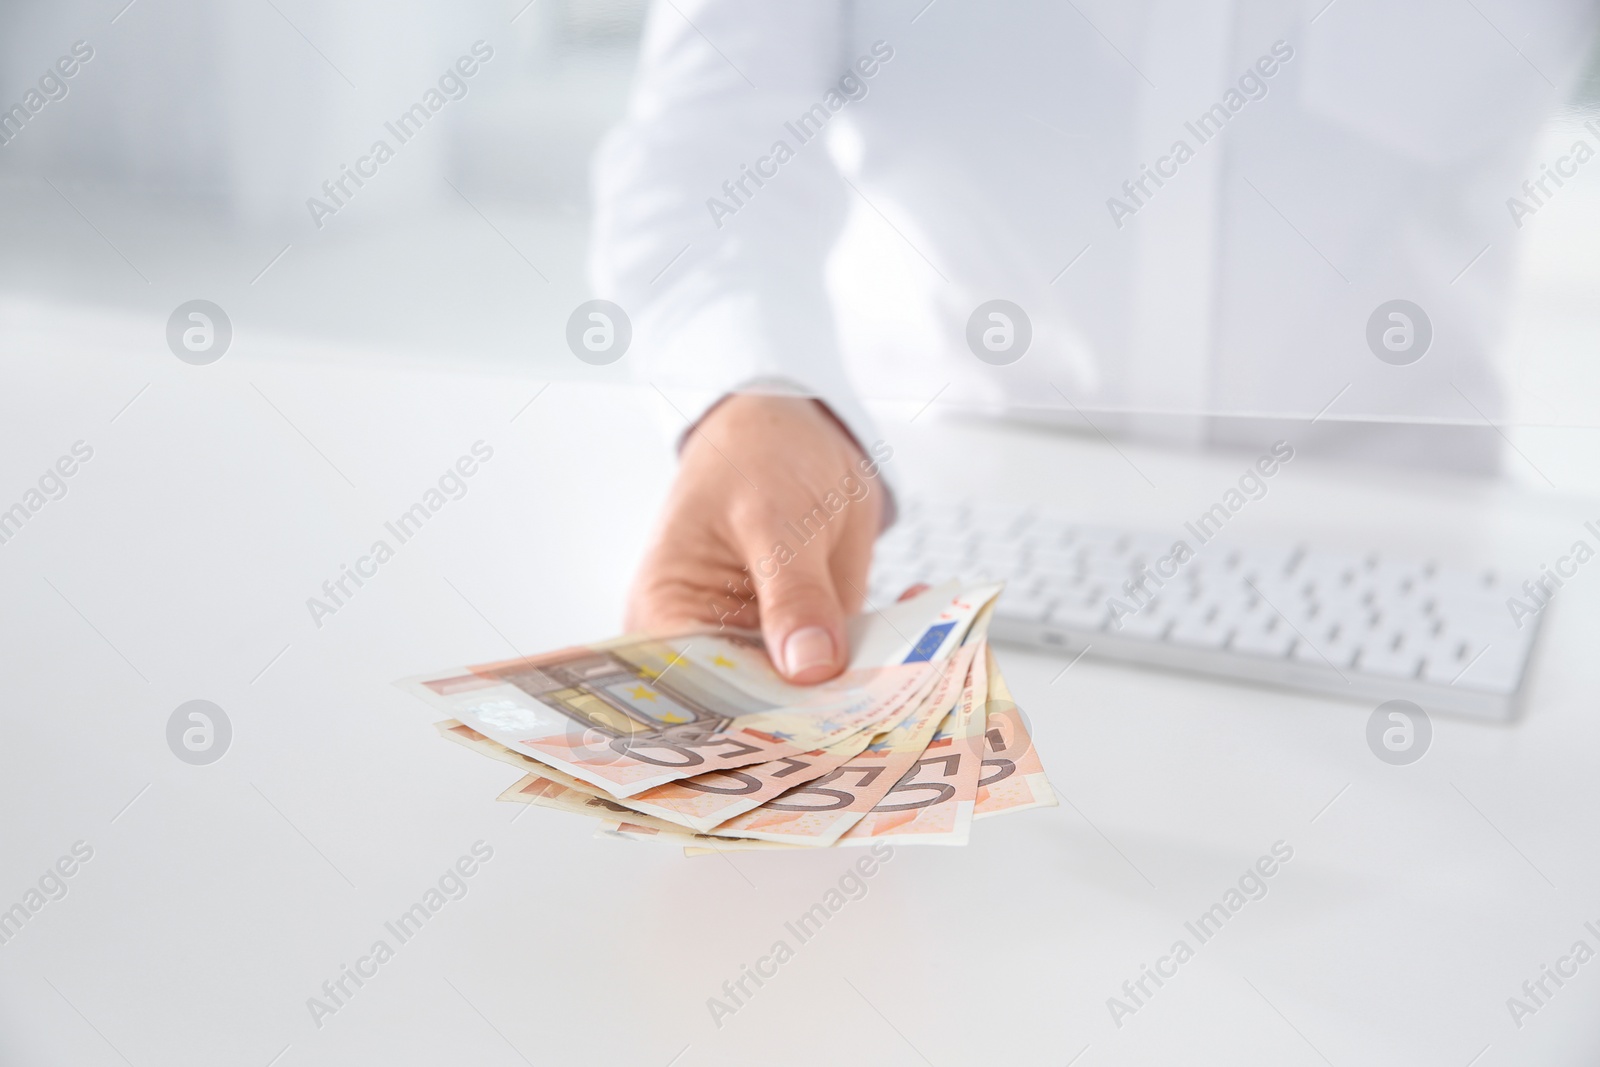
[[695, 740]]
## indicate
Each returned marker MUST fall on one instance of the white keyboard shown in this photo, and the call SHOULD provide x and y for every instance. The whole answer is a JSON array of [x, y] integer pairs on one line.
[[1367, 627]]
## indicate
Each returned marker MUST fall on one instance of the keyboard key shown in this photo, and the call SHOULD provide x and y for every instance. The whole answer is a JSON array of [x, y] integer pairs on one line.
[[1150, 624], [1013, 563], [1199, 634], [1442, 661], [1054, 561], [1238, 613], [1024, 608], [1388, 663], [1064, 587], [1496, 669], [1275, 643], [1079, 616], [1322, 653]]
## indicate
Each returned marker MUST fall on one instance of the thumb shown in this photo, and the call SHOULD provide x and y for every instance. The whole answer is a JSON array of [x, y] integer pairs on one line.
[[802, 620]]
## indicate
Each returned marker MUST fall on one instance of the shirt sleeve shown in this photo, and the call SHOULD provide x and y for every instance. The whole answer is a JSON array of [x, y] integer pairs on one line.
[[717, 202]]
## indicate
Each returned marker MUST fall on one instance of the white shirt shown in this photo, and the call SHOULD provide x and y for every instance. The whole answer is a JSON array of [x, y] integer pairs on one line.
[[1335, 157]]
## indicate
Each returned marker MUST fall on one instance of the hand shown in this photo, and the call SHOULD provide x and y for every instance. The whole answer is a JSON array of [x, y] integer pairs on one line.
[[769, 525]]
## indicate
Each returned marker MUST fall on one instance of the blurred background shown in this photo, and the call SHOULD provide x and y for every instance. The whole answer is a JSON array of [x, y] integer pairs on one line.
[[177, 166], [179, 163]]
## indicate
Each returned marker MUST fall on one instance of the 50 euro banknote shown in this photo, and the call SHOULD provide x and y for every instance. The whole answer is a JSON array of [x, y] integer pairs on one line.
[[1013, 777], [932, 802]]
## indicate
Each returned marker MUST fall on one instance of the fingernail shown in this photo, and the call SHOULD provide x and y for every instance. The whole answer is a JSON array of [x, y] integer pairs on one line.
[[807, 648]]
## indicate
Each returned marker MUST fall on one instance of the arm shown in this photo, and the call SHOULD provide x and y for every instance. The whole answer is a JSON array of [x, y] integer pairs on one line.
[[722, 273]]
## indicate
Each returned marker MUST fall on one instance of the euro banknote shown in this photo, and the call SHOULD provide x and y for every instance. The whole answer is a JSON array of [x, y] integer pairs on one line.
[[1013, 777], [932, 802]]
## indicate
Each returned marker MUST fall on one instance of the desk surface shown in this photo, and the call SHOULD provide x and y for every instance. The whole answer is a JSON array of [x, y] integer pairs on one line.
[[219, 898]]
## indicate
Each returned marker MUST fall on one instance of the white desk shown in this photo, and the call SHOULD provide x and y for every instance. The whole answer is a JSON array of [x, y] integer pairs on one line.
[[178, 567]]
